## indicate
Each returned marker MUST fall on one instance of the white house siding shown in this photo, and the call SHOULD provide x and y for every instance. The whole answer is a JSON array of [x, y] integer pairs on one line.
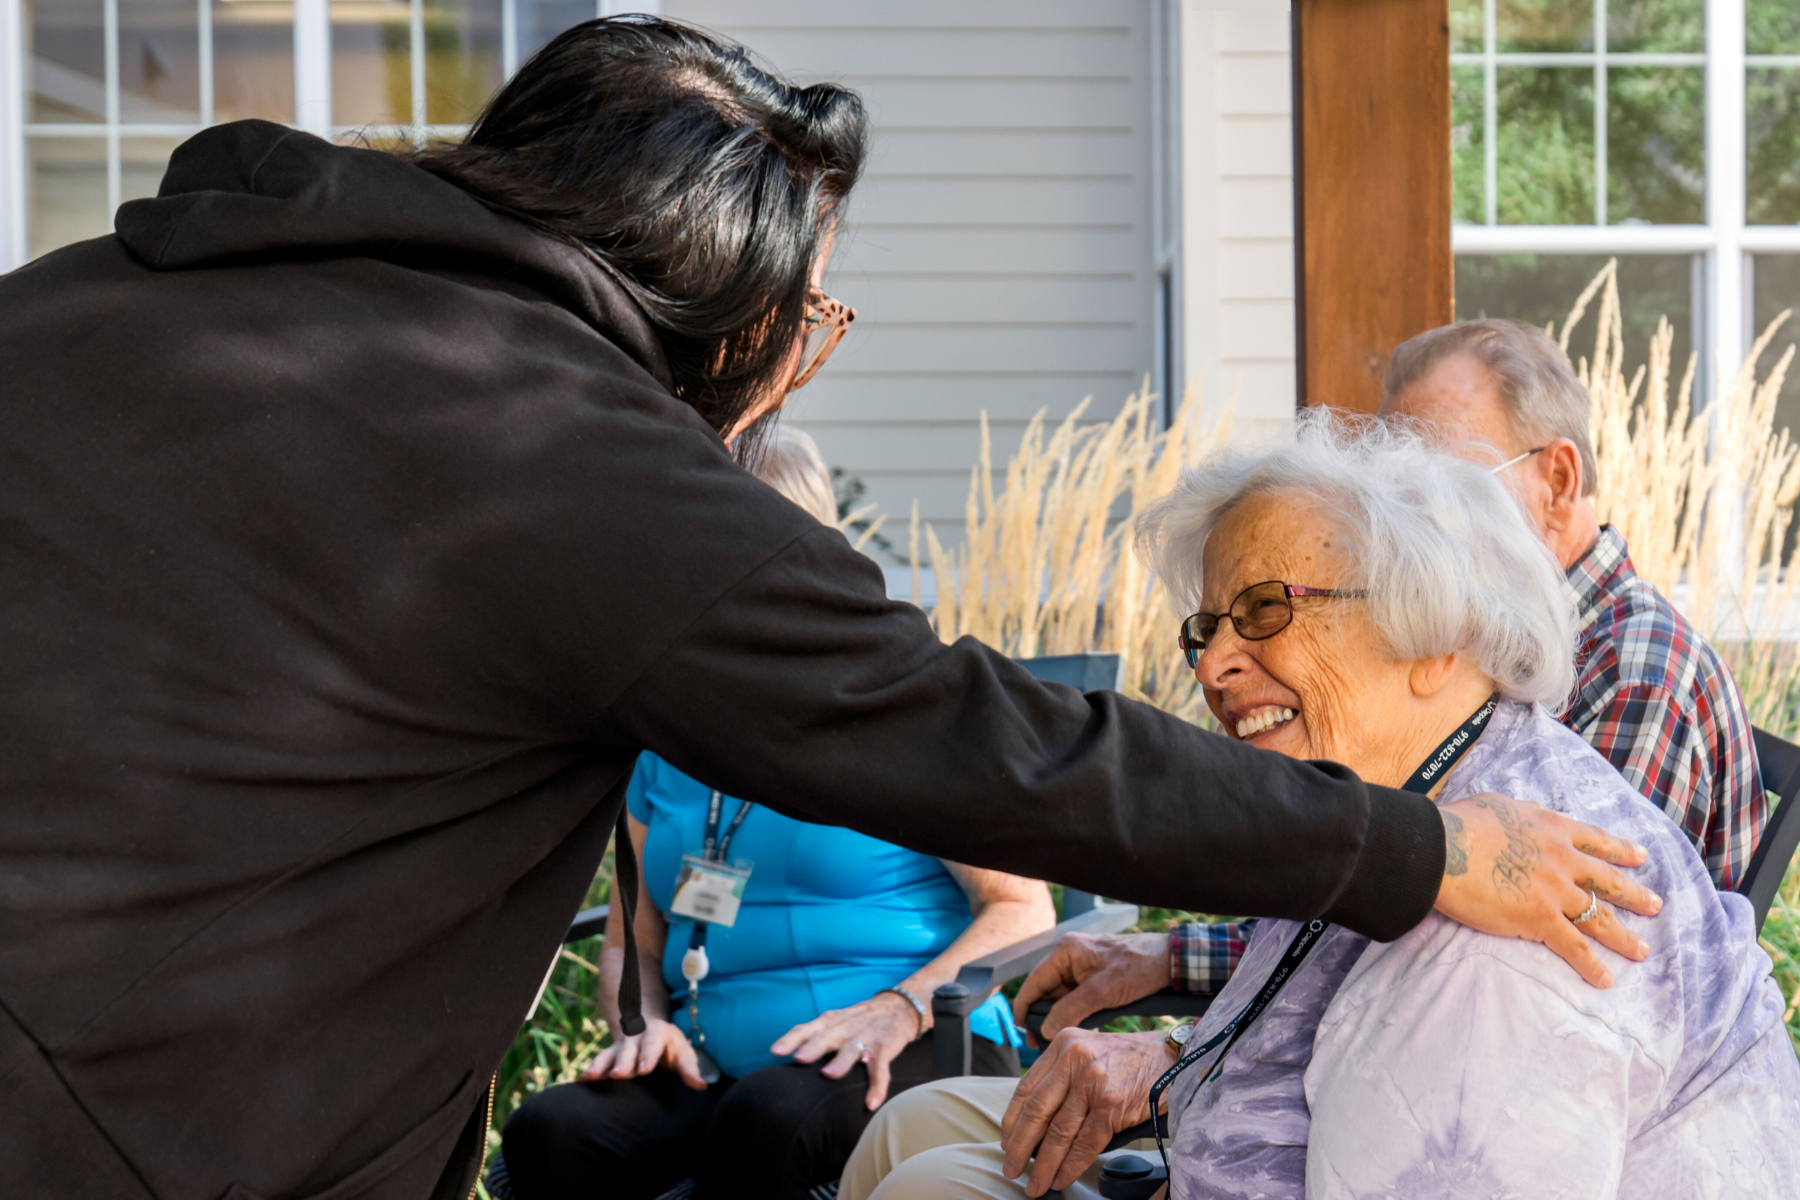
[[998, 251], [1238, 205]]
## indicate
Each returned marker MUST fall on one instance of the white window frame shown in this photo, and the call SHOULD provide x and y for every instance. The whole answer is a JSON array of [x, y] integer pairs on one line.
[[312, 97], [1725, 242]]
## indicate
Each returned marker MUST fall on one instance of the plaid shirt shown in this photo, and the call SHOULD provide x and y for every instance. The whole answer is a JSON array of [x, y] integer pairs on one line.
[[1652, 696], [1202, 957]]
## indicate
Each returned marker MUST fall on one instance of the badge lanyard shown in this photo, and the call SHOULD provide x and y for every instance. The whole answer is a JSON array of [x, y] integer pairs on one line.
[[1436, 764], [694, 965]]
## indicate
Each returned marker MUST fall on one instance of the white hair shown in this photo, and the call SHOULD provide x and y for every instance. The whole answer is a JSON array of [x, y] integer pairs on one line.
[[789, 461], [1448, 558]]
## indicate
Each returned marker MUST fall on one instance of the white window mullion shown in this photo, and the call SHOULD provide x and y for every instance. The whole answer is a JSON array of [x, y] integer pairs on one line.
[[416, 36], [312, 66], [1600, 150], [13, 235], [1725, 181], [115, 180], [1490, 116]]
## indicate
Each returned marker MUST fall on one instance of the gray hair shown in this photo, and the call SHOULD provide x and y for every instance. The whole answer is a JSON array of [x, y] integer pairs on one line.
[[789, 461], [1449, 560], [1538, 389]]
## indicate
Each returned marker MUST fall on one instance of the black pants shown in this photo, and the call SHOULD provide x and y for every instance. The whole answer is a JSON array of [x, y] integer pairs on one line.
[[775, 1133]]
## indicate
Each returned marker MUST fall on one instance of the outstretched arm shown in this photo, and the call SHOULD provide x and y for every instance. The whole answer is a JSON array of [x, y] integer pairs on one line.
[[804, 688]]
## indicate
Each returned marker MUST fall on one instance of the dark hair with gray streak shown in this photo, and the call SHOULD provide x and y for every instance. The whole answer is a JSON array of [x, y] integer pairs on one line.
[[1543, 398]]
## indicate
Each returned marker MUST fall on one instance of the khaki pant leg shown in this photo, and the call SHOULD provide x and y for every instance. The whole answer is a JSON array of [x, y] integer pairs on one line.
[[969, 1172], [945, 1112], [941, 1139]]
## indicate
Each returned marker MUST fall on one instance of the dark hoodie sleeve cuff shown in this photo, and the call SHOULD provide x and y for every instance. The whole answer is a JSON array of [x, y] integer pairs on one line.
[[1400, 869]]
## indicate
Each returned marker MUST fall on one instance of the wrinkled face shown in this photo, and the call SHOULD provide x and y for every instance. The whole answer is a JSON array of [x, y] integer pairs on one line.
[[1324, 687]]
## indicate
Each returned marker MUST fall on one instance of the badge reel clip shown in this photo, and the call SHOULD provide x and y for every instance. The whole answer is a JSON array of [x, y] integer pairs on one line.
[[709, 893]]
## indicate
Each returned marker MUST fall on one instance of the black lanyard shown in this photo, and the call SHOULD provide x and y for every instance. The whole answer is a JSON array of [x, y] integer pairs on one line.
[[1436, 764], [715, 848], [714, 807]]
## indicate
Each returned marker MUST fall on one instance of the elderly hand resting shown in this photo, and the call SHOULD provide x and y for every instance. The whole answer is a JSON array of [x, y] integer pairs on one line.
[[1085, 1088], [662, 1044], [874, 1032], [1089, 972]]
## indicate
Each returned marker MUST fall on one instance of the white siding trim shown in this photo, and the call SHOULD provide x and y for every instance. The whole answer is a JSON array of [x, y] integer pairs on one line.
[[1238, 207], [13, 246]]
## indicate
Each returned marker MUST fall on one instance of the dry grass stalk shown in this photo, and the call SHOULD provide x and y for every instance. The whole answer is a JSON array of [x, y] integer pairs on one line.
[[1705, 499], [1047, 565]]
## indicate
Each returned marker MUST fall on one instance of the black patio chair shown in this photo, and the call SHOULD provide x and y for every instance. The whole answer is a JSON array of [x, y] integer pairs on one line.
[[1778, 765]]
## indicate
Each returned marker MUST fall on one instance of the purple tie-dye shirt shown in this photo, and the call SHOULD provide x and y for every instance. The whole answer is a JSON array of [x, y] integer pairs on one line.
[[1451, 1063]]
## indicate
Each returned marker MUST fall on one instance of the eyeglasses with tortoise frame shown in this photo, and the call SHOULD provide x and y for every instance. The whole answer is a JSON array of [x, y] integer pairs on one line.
[[826, 322]]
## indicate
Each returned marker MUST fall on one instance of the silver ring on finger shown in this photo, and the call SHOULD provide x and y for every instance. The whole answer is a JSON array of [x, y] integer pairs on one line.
[[865, 1051], [1593, 909]]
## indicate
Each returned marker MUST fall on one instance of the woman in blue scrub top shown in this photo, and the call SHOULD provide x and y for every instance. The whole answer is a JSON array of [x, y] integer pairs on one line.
[[815, 1004]]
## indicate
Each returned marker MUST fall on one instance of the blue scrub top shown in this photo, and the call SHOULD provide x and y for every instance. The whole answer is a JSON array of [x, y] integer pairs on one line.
[[829, 918]]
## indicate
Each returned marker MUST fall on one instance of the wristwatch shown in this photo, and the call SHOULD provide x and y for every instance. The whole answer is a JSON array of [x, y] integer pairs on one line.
[[1178, 1037]]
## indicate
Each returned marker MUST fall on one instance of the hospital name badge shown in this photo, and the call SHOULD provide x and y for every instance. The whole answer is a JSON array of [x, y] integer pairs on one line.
[[709, 891]]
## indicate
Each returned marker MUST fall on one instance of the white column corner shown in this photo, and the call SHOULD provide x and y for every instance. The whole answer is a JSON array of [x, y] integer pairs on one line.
[[14, 244]]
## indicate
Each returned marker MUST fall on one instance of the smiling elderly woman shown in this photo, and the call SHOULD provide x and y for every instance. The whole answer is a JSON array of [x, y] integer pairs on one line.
[[1366, 600]]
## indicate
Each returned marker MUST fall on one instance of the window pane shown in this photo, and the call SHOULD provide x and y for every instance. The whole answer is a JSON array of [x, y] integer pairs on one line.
[[1467, 160], [1540, 288], [1656, 145], [1465, 26], [1528, 25], [65, 55], [1546, 150], [541, 20], [371, 62], [1772, 138], [1772, 27], [462, 58], [1656, 26], [253, 60], [143, 162], [159, 62], [1775, 284], [67, 188]]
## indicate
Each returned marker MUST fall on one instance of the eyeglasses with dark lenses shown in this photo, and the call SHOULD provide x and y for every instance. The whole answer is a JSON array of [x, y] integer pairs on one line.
[[1260, 611]]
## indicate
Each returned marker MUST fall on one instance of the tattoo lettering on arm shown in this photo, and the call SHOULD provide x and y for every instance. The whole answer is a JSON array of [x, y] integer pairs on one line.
[[1456, 850], [1517, 859]]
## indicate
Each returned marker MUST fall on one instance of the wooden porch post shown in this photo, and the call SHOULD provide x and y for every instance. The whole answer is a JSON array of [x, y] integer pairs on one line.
[[1371, 189]]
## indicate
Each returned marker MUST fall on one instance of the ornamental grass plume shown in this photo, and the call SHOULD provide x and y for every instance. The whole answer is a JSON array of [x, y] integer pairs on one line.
[[1704, 496], [1046, 566]]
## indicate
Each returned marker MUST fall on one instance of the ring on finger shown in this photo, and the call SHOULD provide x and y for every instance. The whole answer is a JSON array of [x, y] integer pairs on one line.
[[863, 1050], [1593, 909]]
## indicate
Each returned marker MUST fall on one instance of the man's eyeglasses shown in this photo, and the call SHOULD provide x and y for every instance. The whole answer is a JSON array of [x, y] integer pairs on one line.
[[826, 322], [1260, 611], [1519, 458]]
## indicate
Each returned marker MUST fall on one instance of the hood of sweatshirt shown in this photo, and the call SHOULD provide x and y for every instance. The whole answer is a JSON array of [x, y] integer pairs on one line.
[[254, 191]]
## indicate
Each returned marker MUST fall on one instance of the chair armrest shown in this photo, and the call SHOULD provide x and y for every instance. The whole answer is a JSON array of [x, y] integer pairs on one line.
[[1179, 1005], [588, 923], [952, 1003], [982, 975]]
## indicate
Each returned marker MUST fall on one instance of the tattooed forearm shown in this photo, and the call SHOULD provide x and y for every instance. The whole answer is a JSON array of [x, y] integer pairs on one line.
[[1516, 861], [1456, 850]]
